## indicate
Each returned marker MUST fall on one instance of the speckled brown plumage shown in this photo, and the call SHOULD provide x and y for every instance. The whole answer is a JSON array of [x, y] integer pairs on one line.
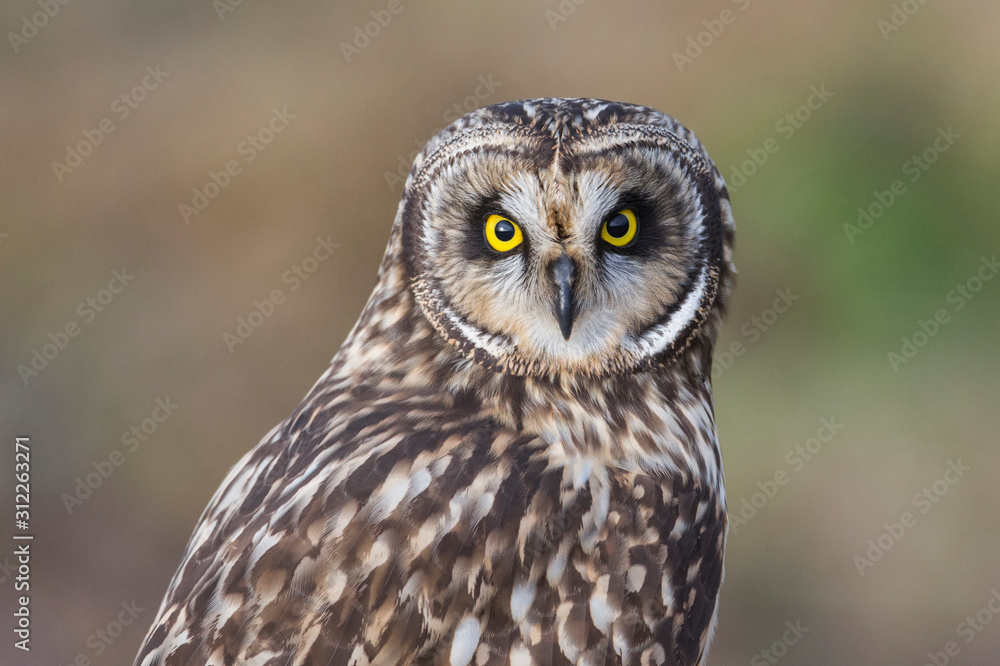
[[460, 487]]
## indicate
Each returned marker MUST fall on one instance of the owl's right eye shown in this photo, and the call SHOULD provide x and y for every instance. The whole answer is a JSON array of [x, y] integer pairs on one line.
[[502, 234], [621, 229]]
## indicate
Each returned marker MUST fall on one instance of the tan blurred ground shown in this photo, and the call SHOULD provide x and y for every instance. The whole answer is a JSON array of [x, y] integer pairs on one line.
[[325, 174]]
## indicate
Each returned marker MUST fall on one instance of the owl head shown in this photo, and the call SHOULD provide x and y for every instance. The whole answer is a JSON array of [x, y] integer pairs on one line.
[[552, 236]]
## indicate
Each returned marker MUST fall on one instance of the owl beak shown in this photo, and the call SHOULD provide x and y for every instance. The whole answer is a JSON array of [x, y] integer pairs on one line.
[[563, 271]]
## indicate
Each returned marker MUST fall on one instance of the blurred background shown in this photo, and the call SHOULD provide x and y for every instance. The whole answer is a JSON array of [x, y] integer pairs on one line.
[[167, 166]]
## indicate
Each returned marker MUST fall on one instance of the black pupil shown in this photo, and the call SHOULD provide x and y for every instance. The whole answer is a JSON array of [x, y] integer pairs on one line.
[[504, 230], [618, 226]]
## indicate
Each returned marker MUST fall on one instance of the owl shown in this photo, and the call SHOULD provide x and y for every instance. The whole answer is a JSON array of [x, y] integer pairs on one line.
[[513, 457]]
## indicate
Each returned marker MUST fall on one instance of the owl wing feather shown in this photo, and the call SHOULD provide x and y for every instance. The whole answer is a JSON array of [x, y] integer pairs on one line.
[[387, 530]]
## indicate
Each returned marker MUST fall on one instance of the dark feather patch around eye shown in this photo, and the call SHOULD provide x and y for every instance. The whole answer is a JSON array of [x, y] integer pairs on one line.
[[653, 234], [473, 244]]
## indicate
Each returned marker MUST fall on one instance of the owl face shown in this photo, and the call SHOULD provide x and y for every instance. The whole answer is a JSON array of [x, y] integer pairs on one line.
[[543, 239]]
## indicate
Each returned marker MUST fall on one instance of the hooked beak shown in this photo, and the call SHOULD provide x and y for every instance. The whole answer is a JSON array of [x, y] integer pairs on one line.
[[563, 271]]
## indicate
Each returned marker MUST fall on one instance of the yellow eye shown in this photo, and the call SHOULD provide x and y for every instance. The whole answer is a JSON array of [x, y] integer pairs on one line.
[[502, 234], [621, 229]]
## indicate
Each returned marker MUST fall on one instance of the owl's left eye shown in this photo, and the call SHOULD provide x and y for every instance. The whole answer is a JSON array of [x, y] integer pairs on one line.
[[621, 229], [502, 234]]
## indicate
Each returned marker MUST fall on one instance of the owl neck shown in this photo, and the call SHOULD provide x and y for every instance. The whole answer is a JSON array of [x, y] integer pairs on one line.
[[660, 421], [657, 421]]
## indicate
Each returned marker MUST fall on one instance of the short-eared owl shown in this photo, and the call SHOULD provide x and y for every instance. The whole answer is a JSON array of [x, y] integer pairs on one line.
[[513, 457]]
